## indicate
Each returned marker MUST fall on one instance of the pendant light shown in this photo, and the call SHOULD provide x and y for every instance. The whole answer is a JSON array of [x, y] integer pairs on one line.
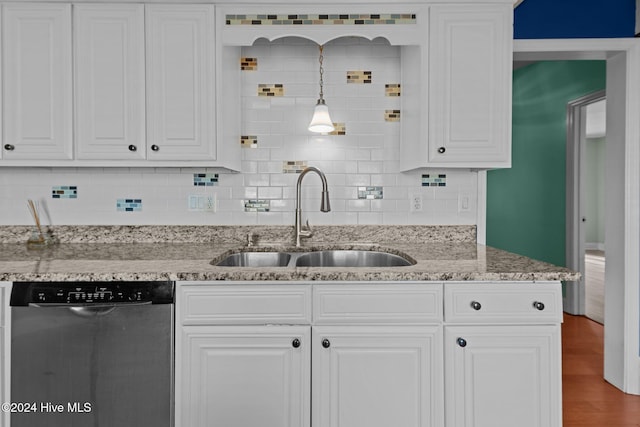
[[321, 122]]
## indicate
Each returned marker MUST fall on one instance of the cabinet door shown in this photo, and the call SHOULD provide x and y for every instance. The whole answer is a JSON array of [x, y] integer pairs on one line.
[[109, 81], [4, 381], [5, 289], [377, 376], [240, 376], [470, 85], [503, 376], [180, 82], [36, 53]]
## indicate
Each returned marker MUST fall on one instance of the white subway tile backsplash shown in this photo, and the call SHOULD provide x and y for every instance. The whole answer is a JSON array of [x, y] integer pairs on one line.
[[369, 218], [359, 205], [269, 192], [366, 167], [358, 180], [367, 156]]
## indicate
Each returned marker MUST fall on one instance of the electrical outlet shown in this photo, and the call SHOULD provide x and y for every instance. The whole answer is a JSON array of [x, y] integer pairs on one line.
[[415, 203], [210, 203], [200, 203]]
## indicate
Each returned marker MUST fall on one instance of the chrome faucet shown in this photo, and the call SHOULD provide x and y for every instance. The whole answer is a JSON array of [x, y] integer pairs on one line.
[[324, 204]]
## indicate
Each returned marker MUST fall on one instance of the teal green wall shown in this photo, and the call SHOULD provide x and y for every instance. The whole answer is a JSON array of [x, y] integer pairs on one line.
[[526, 204]]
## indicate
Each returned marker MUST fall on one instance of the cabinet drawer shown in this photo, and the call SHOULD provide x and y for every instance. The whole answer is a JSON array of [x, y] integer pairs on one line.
[[240, 304], [379, 303], [513, 302]]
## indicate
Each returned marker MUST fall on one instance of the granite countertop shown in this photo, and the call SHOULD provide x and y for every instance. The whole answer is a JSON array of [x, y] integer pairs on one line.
[[441, 253]]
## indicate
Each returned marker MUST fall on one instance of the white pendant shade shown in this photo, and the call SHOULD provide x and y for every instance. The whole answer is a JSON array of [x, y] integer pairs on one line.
[[321, 122]]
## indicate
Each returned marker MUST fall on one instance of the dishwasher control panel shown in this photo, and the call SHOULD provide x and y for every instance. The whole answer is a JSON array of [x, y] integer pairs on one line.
[[87, 293]]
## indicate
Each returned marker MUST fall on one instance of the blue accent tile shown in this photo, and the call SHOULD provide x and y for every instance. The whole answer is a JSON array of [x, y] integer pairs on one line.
[[205, 179], [433, 181], [370, 193], [64, 192], [129, 205], [254, 205]]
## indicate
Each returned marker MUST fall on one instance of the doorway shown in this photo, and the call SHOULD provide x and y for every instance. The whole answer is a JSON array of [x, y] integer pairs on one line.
[[622, 198], [586, 168]]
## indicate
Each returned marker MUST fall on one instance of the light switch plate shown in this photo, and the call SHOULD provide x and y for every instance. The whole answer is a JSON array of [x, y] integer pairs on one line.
[[201, 202]]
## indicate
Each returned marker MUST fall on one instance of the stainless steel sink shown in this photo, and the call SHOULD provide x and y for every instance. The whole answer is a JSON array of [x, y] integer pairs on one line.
[[321, 258], [350, 258], [256, 259]]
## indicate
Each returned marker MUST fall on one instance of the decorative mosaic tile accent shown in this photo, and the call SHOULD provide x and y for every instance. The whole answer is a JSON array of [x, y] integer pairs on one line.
[[434, 180], [205, 179], [248, 64], [392, 89], [370, 193], [321, 19], [129, 205], [249, 141], [290, 166], [358, 76], [256, 205], [276, 89], [340, 129], [64, 192], [392, 115]]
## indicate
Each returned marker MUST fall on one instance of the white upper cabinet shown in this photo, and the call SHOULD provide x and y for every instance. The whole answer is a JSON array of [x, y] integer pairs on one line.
[[109, 81], [470, 86], [459, 113], [180, 82], [120, 84], [36, 80]]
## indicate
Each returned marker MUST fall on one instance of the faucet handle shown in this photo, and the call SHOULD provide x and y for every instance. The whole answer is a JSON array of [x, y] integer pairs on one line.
[[306, 230]]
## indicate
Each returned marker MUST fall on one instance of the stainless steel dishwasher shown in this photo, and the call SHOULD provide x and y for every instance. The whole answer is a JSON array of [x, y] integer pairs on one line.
[[92, 354]]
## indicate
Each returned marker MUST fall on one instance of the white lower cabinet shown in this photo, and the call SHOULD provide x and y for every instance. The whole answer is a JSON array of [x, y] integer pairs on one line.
[[503, 354], [4, 416], [5, 290], [377, 376], [503, 376], [368, 354], [245, 376]]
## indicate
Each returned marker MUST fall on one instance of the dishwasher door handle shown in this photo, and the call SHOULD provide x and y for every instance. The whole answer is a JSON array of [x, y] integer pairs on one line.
[[120, 304], [92, 311]]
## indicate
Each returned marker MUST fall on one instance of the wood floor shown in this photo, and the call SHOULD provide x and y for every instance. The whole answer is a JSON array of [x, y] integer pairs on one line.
[[588, 400]]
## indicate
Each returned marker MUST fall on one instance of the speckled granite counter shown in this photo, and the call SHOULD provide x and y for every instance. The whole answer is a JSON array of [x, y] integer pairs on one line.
[[441, 253]]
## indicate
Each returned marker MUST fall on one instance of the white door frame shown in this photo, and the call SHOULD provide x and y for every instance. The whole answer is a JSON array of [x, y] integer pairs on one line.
[[574, 298], [622, 211]]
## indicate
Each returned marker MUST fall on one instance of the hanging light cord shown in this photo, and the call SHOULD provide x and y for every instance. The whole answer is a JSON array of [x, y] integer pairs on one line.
[[321, 71]]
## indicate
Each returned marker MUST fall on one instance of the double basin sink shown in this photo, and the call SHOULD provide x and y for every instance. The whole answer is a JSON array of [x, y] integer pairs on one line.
[[319, 258]]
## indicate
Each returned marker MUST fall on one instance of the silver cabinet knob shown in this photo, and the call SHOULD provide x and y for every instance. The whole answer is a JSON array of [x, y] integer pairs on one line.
[[461, 342], [476, 305], [538, 305]]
